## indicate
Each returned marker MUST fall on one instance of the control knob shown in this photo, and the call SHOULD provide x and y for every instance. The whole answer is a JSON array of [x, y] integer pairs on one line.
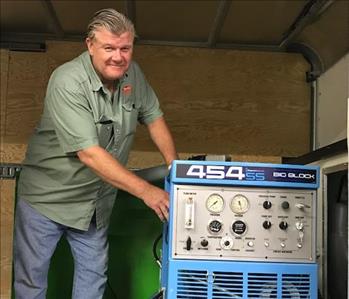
[[267, 204], [283, 225], [266, 224], [204, 243]]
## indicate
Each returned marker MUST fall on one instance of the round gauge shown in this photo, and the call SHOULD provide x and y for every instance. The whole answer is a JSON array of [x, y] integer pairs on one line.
[[215, 203], [239, 227], [239, 204], [215, 226]]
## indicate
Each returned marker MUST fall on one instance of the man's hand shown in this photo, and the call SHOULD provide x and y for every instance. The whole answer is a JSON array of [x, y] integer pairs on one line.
[[111, 171], [158, 200]]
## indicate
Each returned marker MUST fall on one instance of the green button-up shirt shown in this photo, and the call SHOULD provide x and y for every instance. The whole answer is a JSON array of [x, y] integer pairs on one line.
[[79, 112]]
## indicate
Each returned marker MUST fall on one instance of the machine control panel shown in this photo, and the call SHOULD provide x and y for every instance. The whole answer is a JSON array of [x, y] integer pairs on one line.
[[243, 223]]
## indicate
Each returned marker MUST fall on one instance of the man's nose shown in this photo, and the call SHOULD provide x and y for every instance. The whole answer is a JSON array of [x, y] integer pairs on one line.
[[117, 55]]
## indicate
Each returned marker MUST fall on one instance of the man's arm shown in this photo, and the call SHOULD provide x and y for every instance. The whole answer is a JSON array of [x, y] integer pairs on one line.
[[111, 171], [161, 136]]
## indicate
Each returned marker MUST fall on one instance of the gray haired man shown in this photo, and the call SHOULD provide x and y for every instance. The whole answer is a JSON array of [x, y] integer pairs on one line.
[[75, 161]]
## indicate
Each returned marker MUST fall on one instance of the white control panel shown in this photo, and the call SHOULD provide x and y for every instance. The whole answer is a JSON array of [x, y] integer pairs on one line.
[[244, 223]]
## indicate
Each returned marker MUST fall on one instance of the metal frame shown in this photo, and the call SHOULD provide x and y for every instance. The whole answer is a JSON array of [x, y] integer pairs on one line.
[[328, 165], [327, 170]]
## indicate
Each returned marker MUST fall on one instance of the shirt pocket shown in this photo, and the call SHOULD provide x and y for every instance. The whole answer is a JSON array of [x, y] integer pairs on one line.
[[104, 130], [130, 112]]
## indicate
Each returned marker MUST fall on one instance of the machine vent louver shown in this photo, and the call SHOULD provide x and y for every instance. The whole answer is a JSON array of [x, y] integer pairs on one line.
[[262, 285], [192, 284], [227, 285], [295, 286]]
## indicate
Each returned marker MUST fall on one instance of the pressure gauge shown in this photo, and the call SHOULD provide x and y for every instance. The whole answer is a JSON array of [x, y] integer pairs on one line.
[[239, 204], [215, 203], [215, 226]]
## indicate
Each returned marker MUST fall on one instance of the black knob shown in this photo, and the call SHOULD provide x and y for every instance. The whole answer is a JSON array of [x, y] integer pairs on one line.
[[266, 224], [267, 204], [204, 243], [283, 225], [188, 243], [226, 243], [285, 205]]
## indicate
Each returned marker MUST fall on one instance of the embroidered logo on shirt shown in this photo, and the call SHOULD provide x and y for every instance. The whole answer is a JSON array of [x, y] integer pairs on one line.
[[127, 89]]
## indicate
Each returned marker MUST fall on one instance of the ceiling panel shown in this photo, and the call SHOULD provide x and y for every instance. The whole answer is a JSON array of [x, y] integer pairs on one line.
[[259, 22], [75, 15], [316, 26], [329, 35], [175, 20], [23, 16]]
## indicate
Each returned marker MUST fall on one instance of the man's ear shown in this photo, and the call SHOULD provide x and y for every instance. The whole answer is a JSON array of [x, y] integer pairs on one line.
[[89, 44]]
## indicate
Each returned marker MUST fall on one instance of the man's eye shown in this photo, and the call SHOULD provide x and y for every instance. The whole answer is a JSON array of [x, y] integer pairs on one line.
[[125, 50], [108, 49]]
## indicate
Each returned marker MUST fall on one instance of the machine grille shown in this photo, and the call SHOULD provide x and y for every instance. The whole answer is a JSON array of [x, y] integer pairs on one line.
[[192, 284], [200, 284], [262, 285], [227, 285], [295, 286]]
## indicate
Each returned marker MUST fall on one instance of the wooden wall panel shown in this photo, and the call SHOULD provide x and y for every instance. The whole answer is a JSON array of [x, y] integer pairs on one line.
[[61, 52], [27, 79], [4, 62], [215, 101], [7, 189], [9, 153], [223, 101]]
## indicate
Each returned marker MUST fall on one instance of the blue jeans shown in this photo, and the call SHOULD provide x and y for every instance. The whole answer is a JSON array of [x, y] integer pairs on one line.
[[35, 240]]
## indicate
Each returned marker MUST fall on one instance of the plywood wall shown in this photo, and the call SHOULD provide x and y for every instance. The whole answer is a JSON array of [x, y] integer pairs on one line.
[[223, 101], [215, 101], [10, 153], [253, 106]]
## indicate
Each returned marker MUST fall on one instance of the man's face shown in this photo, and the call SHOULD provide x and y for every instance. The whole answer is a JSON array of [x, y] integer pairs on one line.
[[111, 54]]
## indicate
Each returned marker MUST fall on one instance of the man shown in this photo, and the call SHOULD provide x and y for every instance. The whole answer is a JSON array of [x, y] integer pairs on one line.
[[75, 160]]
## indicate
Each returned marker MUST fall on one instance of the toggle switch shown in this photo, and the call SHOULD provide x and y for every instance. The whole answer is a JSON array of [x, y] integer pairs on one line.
[[299, 225], [301, 206], [188, 244]]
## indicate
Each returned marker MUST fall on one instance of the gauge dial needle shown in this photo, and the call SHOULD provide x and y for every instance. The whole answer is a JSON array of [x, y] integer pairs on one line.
[[213, 203]]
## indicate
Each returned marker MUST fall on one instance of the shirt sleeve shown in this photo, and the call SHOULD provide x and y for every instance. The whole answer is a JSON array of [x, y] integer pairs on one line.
[[146, 98], [72, 118], [150, 109]]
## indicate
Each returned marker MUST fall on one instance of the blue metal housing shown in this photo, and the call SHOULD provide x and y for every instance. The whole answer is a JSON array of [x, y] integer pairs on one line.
[[219, 279]]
